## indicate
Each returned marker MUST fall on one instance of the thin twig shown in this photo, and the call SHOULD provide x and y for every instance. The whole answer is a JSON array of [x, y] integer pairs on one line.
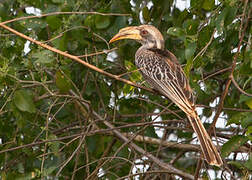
[[225, 92], [64, 13], [216, 73], [198, 168], [135, 147], [98, 53], [238, 87], [203, 50], [75, 58]]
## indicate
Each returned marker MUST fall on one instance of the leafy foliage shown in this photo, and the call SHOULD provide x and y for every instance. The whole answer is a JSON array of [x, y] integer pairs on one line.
[[52, 109]]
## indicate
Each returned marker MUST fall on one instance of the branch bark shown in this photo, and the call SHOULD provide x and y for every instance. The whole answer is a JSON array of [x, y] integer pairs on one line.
[[225, 92], [75, 58], [135, 147]]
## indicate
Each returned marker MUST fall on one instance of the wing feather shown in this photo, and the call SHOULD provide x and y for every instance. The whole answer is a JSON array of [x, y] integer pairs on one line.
[[168, 77], [161, 70]]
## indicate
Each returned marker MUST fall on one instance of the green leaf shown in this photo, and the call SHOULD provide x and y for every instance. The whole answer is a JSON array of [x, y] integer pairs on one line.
[[49, 170], [4, 67], [63, 82], [208, 5], [150, 131], [135, 76], [53, 22], [20, 167], [128, 89], [197, 4], [177, 32], [89, 21], [204, 36], [102, 22], [25, 176], [236, 118], [231, 15], [191, 26], [249, 103], [231, 2], [236, 164], [3, 11], [36, 24], [43, 57], [95, 144], [198, 62], [244, 98], [23, 100], [249, 78], [146, 14], [249, 132], [233, 144], [58, 1], [247, 121], [54, 146], [188, 67], [225, 18], [63, 41], [190, 49], [129, 65], [248, 164], [248, 55]]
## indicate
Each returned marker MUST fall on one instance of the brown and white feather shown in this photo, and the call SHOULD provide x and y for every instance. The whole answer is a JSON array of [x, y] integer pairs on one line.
[[161, 69], [164, 73]]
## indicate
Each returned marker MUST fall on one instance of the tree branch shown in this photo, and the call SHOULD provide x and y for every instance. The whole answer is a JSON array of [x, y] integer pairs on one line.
[[64, 13], [75, 58], [223, 96], [132, 145]]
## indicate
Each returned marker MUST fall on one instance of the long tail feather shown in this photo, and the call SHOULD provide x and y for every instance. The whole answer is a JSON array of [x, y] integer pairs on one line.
[[208, 148]]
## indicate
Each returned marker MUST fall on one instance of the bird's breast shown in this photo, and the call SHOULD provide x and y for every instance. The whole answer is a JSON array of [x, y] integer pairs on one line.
[[151, 64], [159, 69]]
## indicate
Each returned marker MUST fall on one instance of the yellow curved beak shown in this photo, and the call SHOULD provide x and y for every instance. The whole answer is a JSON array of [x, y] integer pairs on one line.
[[127, 33]]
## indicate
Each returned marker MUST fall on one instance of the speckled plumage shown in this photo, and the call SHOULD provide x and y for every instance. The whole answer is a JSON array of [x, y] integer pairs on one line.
[[161, 69], [163, 72]]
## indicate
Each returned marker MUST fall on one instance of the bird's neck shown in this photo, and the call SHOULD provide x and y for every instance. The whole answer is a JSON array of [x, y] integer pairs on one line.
[[158, 44]]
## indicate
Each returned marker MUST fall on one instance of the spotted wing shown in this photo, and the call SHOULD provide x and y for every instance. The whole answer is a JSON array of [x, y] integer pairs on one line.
[[161, 70]]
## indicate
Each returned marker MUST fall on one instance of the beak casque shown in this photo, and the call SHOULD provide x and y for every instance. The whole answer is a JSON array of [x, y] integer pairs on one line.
[[127, 33]]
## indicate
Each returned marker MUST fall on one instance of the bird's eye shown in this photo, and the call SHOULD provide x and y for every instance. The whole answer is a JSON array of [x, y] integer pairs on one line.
[[144, 32]]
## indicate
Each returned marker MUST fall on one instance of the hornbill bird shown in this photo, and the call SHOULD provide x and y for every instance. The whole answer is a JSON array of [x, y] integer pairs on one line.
[[161, 69]]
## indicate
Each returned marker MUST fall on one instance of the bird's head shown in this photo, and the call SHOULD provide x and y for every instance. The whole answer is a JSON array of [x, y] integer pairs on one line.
[[147, 35]]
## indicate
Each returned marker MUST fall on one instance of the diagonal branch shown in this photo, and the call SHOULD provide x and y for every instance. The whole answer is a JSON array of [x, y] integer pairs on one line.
[[238, 87], [228, 83], [64, 13], [135, 147], [75, 58]]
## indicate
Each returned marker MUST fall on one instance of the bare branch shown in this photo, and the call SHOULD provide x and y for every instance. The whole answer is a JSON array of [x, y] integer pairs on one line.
[[225, 92], [74, 58], [64, 13]]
